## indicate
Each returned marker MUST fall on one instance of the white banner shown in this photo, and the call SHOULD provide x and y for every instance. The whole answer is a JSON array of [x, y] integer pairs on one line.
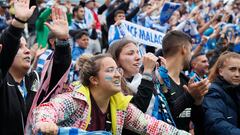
[[141, 34]]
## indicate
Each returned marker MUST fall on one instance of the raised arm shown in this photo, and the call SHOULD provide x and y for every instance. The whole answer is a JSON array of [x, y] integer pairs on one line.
[[11, 36], [145, 91], [61, 56], [62, 53]]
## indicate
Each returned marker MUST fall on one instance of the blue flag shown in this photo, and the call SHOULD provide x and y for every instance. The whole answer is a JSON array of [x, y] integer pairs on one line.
[[190, 27], [167, 11], [77, 131], [236, 48]]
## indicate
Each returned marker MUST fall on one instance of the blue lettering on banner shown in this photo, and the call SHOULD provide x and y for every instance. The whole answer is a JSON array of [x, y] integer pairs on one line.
[[147, 37], [132, 30], [158, 39], [142, 34]]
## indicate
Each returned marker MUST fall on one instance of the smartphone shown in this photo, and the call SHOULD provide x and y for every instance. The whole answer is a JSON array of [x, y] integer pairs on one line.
[[159, 62]]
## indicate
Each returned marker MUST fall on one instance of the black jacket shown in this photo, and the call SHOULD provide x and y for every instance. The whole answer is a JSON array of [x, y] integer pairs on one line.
[[221, 107], [11, 102], [141, 100], [182, 106], [14, 109]]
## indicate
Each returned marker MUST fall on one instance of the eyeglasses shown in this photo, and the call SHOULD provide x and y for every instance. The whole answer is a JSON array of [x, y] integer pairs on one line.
[[114, 70]]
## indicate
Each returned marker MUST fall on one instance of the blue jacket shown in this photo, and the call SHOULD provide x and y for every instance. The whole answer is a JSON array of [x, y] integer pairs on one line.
[[77, 52], [221, 105]]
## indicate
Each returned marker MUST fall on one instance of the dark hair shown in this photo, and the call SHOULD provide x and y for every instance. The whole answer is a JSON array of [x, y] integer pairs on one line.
[[214, 71], [90, 67], [79, 34], [172, 41], [159, 53], [75, 9], [199, 54], [116, 48], [119, 12], [195, 57]]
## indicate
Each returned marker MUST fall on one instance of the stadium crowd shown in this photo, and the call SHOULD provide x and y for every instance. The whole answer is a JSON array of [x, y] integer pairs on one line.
[[161, 67]]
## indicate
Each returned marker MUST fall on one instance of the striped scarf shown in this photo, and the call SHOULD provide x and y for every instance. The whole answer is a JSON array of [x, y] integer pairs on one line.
[[161, 110]]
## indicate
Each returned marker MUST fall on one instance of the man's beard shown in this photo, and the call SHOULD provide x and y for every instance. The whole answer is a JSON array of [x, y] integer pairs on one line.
[[186, 66], [80, 18]]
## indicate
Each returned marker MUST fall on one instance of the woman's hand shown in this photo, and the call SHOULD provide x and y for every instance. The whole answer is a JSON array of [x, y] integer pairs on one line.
[[149, 62], [161, 62], [47, 128], [22, 12], [60, 25]]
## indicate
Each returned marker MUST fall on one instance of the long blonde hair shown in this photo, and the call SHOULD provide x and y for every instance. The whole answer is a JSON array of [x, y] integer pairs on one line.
[[214, 71]]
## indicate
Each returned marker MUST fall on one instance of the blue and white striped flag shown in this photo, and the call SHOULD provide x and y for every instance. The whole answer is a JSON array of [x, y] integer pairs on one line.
[[167, 11], [115, 33], [77, 131], [190, 27]]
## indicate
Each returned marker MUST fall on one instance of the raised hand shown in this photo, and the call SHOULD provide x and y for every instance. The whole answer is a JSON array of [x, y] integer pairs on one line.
[[22, 10], [60, 25], [197, 89], [118, 23], [40, 51], [149, 62]]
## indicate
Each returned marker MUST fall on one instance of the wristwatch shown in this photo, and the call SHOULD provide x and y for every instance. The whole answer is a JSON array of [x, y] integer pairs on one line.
[[62, 42], [147, 76]]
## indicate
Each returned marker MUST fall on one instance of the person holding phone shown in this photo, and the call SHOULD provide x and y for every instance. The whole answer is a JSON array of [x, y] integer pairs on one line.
[[141, 82], [98, 104]]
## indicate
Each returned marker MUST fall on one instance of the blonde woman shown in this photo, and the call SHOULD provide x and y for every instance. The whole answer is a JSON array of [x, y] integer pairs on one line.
[[98, 104], [222, 102]]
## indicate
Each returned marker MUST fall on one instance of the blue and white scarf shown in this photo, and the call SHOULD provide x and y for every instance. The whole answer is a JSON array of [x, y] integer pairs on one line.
[[161, 110]]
